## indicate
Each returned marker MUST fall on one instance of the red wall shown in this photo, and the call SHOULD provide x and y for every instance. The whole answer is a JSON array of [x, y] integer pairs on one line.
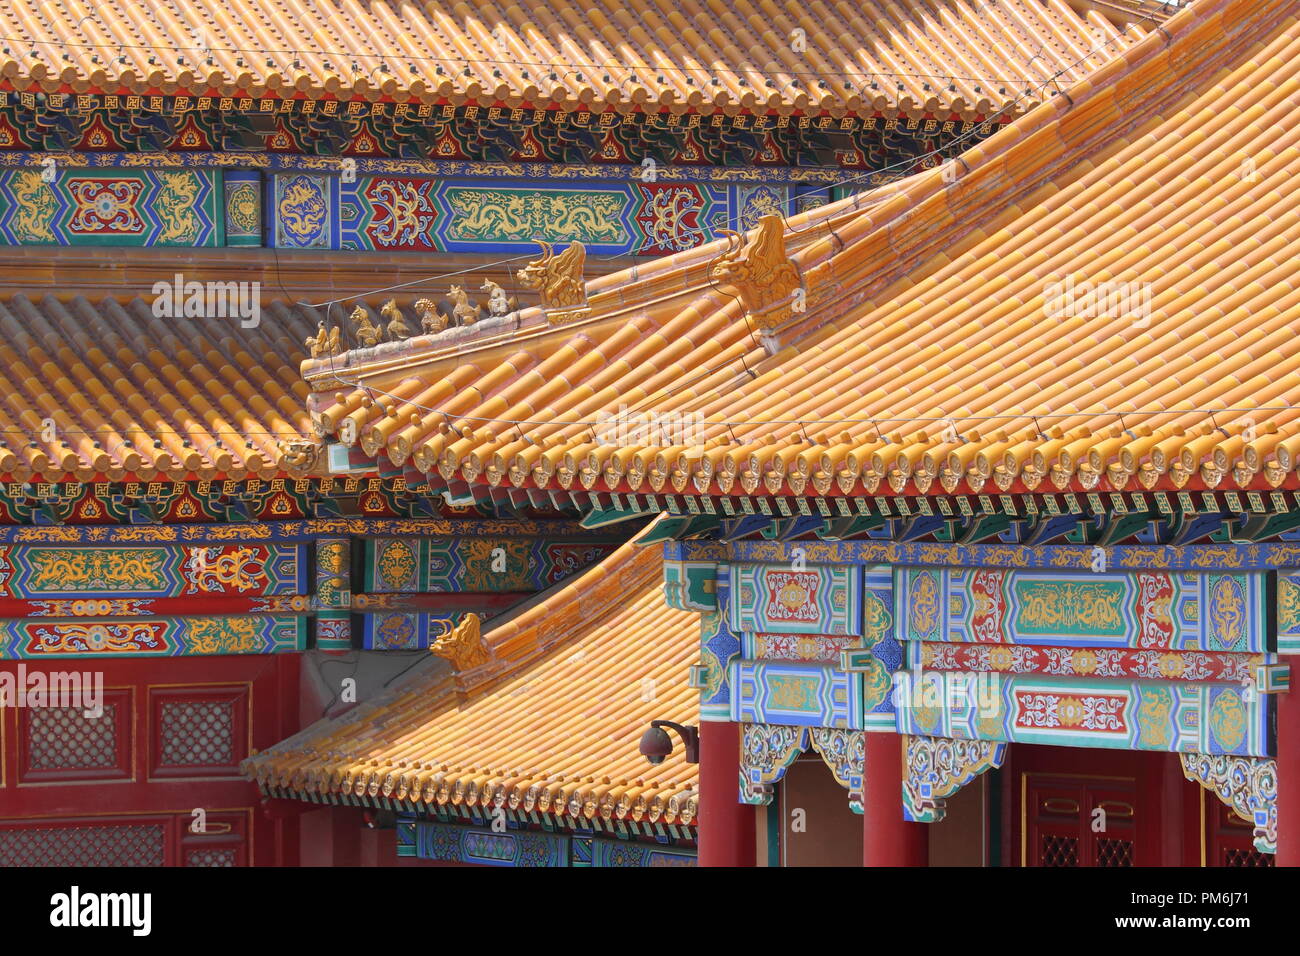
[[1175, 821], [126, 787]]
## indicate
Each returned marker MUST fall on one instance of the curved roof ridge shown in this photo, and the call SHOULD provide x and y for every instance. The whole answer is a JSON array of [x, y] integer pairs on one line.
[[554, 729], [934, 352]]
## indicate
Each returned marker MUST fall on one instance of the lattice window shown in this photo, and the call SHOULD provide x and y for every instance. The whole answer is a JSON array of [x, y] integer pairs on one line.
[[1059, 851], [1114, 852], [122, 845], [197, 733], [1234, 856], [212, 856], [64, 738]]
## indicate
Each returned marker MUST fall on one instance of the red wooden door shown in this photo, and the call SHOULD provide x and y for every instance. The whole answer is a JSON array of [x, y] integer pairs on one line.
[[1076, 807], [154, 779], [1228, 840], [1077, 822]]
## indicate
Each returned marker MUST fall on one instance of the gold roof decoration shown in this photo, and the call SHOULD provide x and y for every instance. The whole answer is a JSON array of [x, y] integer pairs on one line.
[[301, 458], [367, 333], [764, 274], [463, 645], [324, 343], [397, 328], [431, 320], [559, 281]]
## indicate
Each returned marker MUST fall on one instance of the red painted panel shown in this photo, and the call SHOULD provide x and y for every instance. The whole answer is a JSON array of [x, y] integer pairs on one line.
[[68, 743], [1052, 794], [1061, 815], [249, 701], [1229, 840], [144, 839], [199, 731]]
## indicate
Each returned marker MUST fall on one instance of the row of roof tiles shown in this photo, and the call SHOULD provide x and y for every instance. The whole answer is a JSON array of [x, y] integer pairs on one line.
[[948, 342], [109, 390], [574, 681], [682, 54], [102, 388]]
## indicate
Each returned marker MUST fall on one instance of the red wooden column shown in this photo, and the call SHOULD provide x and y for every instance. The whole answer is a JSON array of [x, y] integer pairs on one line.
[[1288, 778], [726, 826], [888, 839]]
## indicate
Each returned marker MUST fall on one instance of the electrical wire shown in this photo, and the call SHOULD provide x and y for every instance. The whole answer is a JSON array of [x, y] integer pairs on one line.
[[875, 420]]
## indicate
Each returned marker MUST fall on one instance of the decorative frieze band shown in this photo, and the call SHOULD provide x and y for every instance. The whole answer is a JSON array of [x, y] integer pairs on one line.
[[1082, 712], [796, 599], [1220, 612]]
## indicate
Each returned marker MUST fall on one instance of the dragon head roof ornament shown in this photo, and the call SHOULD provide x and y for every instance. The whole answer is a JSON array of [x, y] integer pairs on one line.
[[558, 279], [301, 458], [464, 646], [763, 273]]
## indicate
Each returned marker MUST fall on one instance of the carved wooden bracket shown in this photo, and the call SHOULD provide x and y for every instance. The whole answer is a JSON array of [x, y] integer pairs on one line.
[[937, 767], [1248, 785]]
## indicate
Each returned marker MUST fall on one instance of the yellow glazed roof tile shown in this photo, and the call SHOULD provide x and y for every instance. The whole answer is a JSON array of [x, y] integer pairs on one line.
[[110, 391], [1098, 297], [554, 725], [683, 54]]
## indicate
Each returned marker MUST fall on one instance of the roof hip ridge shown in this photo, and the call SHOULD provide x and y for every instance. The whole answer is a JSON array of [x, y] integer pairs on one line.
[[938, 210]]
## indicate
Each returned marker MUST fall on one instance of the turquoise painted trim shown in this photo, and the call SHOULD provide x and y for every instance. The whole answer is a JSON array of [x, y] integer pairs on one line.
[[795, 694], [1206, 557], [36, 639], [1166, 716], [108, 207], [795, 599], [774, 820], [746, 175], [458, 843], [1215, 611], [40, 571], [219, 211]]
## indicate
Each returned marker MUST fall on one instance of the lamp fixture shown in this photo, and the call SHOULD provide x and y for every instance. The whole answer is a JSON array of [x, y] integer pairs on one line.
[[656, 745]]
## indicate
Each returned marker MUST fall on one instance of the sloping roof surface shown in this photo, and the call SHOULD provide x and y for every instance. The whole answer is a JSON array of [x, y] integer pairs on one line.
[[108, 390], [700, 54], [583, 673], [939, 349]]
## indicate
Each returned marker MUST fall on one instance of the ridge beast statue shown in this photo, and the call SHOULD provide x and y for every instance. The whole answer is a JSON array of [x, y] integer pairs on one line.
[[558, 278]]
